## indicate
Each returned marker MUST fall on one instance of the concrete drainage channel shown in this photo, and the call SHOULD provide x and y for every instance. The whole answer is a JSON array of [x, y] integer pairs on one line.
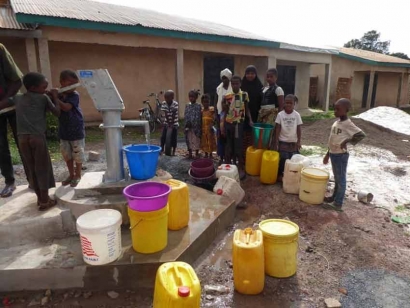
[[375, 289]]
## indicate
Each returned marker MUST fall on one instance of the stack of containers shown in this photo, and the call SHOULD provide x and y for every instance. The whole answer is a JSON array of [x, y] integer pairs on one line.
[[259, 160], [148, 212]]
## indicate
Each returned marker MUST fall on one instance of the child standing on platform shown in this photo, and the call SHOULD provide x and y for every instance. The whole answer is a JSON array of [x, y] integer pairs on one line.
[[169, 110], [287, 133], [31, 109], [208, 140], [193, 123], [71, 128], [343, 132]]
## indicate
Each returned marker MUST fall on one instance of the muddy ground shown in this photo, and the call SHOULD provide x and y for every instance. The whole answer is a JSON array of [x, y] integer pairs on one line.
[[358, 257]]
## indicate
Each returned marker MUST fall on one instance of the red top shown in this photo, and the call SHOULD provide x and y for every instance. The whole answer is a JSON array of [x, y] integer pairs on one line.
[[184, 291]]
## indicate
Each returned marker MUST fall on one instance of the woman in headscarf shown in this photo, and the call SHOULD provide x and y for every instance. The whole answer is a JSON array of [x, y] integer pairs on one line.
[[253, 86]]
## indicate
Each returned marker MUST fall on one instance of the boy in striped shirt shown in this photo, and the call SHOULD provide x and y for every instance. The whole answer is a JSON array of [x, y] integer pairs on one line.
[[169, 110]]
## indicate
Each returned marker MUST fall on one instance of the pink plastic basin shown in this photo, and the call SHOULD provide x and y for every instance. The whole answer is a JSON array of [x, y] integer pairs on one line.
[[147, 196], [202, 167]]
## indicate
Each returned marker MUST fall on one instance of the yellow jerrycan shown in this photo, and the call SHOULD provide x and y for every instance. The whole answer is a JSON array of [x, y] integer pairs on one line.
[[178, 203], [248, 261], [177, 286], [253, 160], [269, 167]]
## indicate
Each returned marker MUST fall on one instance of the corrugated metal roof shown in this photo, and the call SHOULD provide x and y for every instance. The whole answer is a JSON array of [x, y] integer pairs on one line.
[[308, 49], [373, 56], [8, 20], [115, 14]]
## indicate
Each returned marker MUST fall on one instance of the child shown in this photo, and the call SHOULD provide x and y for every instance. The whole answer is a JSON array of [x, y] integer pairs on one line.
[[223, 89], [169, 110], [71, 128], [31, 109], [208, 141], [287, 133], [193, 123], [272, 99], [236, 106], [343, 132]]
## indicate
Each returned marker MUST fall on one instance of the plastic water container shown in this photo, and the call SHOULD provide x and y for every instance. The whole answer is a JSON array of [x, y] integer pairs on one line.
[[253, 160], [248, 261], [269, 167], [149, 230], [147, 196], [100, 236], [178, 202], [262, 134], [230, 188], [230, 171], [291, 177], [280, 240], [142, 160], [313, 185], [177, 286]]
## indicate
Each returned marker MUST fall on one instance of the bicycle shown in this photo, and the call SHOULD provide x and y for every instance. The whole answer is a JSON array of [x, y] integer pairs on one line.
[[148, 114]]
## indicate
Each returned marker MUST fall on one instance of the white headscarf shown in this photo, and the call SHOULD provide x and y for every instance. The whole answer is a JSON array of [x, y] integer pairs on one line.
[[227, 73]]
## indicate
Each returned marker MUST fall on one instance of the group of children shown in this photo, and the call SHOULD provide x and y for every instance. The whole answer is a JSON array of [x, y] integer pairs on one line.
[[31, 108], [241, 102]]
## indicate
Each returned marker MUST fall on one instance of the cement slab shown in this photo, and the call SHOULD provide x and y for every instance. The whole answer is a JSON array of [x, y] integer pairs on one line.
[[21, 222], [58, 264]]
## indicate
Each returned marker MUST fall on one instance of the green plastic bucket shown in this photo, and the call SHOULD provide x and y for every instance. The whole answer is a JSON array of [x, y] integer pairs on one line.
[[262, 134]]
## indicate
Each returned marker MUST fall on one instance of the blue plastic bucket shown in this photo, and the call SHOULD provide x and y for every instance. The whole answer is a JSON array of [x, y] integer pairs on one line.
[[142, 160], [262, 134]]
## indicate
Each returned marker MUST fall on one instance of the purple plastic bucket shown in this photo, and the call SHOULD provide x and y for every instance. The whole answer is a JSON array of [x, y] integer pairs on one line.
[[147, 196], [202, 167]]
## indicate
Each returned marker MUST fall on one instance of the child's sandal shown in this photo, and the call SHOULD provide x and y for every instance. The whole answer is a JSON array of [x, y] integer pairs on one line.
[[67, 181], [74, 182], [47, 205]]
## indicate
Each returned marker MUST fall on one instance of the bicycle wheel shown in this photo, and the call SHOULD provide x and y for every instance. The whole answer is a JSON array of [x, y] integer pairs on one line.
[[152, 123], [168, 142]]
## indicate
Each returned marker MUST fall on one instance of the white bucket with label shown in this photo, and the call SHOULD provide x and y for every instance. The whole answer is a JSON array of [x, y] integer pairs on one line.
[[100, 236]]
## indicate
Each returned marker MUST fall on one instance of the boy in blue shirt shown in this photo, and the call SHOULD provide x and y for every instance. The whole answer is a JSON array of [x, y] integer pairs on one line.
[[71, 128]]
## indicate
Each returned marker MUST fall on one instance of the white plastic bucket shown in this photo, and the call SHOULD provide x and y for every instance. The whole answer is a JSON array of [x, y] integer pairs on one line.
[[100, 236]]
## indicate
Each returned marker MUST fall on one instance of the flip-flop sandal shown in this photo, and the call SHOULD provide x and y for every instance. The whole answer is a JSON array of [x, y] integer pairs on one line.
[[329, 206], [401, 219], [74, 182], [45, 206], [7, 191], [66, 182]]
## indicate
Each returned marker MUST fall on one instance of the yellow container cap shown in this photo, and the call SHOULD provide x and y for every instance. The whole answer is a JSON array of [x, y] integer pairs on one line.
[[278, 228], [316, 173]]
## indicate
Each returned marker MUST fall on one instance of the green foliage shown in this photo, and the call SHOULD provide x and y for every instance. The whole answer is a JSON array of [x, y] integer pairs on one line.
[[52, 127], [400, 55], [318, 116], [370, 41]]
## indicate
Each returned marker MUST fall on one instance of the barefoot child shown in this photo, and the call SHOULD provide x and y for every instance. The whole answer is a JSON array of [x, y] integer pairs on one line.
[[169, 110], [71, 128], [236, 105], [208, 141], [287, 133], [343, 132], [193, 123], [31, 109]]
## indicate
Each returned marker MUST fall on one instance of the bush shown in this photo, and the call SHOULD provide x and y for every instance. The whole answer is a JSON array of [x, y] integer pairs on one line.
[[52, 127]]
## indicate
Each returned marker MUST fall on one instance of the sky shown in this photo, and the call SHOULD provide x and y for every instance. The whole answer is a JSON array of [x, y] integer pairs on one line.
[[314, 23]]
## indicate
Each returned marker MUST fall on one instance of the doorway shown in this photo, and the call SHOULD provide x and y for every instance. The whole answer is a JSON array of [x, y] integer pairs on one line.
[[286, 78], [366, 90], [213, 65]]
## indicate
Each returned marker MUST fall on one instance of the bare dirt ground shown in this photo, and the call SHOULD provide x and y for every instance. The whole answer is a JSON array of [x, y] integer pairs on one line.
[[359, 256]]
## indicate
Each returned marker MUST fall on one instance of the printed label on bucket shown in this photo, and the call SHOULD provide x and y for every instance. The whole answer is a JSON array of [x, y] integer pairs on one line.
[[101, 248]]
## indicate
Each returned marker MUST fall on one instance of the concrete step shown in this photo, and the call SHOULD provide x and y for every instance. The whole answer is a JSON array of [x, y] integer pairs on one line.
[[58, 264], [21, 222]]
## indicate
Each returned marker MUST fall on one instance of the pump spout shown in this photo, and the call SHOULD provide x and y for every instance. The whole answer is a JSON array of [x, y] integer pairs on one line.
[[138, 123]]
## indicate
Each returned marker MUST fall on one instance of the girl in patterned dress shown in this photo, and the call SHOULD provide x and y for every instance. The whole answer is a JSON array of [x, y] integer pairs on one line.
[[193, 123], [208, 140]]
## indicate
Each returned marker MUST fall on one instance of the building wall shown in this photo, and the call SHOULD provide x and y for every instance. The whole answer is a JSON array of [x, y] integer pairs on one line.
[[388, 81], [318, 70], [136, 72], [17, 48], [193, 75]]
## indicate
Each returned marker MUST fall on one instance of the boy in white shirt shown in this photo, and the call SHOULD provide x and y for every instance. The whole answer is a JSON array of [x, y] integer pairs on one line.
[[343, 132], [287, 133]]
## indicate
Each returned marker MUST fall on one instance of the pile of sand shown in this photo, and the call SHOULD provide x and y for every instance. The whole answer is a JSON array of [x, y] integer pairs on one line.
[[388, 117]]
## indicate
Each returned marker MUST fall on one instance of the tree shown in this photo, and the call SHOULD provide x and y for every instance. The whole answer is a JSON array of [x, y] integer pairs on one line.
[[370, 41], [400, 55]]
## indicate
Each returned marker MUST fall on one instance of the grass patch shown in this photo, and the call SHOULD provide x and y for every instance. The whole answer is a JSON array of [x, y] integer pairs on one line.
[[400, 208], [318, 116], [313, 150]]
